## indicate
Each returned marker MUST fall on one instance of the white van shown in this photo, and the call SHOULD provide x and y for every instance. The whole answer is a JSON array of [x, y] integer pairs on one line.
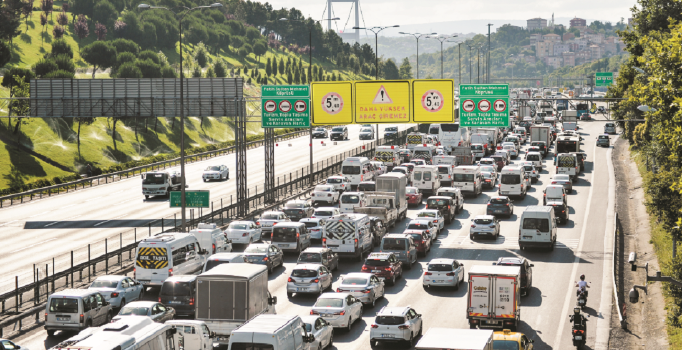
[[468, 179], [446, 166], [160, 257], [538, 228], [387, 155], [426, 178], [425, 152], [348, 235], [453, 135], [512, 181], [567, 164], [210, 235], [272, 332], [351, 200], [75, 310], [291, 237], [223, 258], [356, 169]]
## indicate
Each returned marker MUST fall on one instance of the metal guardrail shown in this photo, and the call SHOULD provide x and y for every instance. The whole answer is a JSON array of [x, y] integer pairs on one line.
[[615, 271], [40, 287], [88, 181]]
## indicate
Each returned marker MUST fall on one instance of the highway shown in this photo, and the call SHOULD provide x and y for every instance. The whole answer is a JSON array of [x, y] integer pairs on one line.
[[582, 248], [37, 231]]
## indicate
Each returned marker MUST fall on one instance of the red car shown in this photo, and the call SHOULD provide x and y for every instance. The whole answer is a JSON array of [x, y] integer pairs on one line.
[[383, 265], [413, 196], [421, 239]]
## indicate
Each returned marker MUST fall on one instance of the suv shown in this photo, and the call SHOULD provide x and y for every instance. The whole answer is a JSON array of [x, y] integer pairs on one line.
[[445, 204], [542, 145], [526, 271], [384, 265], [603, 140], [323, 256], [500, 205], [75, 310], [339, 133], [395, 325], [299, 209], [402, 246]]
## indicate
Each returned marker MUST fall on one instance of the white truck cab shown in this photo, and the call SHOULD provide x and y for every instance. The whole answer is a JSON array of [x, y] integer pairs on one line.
[[160, 183], [192, 334], [275, 332]]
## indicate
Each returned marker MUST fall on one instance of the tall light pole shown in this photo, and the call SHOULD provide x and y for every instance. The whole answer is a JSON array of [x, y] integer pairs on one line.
[[459, 48], [184, 11], [441, 39], [376, 31], [488, 64], [310, 71], [478, 64], [417, 36], [470, 72]]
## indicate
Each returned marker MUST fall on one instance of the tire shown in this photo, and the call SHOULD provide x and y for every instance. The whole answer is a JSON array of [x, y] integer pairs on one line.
[[392, 282], [409, 342], [472, 326], [350, 323], [228, 176], [421, 328], [141, 297], [374, 301], [146, 196], [204, 180], [331, 340], [471, 237], [123, 302], [109, 317], [290, 295]]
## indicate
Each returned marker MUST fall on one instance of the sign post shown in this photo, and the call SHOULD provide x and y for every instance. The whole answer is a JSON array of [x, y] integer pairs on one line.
[[193, 199], [484, 105], [285, 106], [603, 79]]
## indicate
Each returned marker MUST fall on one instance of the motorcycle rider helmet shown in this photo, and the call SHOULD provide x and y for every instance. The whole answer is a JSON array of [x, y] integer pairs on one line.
[[582, 277]]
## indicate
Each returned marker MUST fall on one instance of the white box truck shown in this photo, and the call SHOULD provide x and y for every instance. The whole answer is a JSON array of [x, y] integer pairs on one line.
[[541, 133], [456, 339], [396, 184], [415, 139], [229, 295], [494, 297]]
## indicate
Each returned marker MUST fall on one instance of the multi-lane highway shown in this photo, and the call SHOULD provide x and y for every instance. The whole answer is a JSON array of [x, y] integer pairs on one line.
[[583, 245], [37, 231]]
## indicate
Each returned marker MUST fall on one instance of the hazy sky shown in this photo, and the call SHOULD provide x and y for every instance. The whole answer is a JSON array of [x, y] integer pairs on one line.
[[385, 12]]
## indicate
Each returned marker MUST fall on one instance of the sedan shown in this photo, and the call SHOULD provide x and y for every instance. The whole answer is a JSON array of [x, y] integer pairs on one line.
[[338, 309], [424, 225], [216, 172], [340, 183], [414, 197], [363, 286], [299, 209], [484, 225], [366, 134], [118, 290], [264, 254], [243, 232], [443, 272], [158, 312], [564, 180], [320, 133], [271, 218], [434, 216], [325, 194], [500, 205], [489, 180], [309, 278], [321, 329]]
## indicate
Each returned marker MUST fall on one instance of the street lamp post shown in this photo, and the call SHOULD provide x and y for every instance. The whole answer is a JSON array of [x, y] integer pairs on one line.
[[470, 72], [459, 48], [417, 36], [441, 39], [310, 71], [376, 31], [183, 182], [478, 65]]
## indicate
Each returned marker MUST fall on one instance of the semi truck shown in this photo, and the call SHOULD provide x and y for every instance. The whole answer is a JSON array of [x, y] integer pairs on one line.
[[394, 183], [494, 297]]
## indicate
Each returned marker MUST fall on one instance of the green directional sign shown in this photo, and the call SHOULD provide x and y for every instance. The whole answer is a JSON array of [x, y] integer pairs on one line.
[[285, 106], [193, 199], [484, 105], [603, 79]]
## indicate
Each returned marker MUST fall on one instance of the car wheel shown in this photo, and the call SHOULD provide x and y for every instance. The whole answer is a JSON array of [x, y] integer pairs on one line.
[[141, 296], [331, 340], [290, 295], [350, 323], [409, 342], [374, 301], [471, 237], [146, 196], [50, 333], [421, 328], [204, 180], [109, 317], [123, 302], [393, 280]]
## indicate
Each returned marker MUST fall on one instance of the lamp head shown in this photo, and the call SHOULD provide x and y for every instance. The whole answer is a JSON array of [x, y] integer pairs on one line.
[[143, 6], [216, 5]]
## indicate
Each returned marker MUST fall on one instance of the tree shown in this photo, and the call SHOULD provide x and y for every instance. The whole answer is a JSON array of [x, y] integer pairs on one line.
[[149, 68], [281, 66], [125, 45], [390, 71], [197, 72], [47, 6], [121, 59], [259, 49], [11, 76], [62, 19], [104, 12], [43, 67], [149, 55], [65, 63], [268, 68], [201, 55], [244, 51], [100, 31], [10, 20], [5, 54], [20, 108], [237, 42], [210, 73], [27, 10], [290, 79], [58, 31], [80, 27], [43, 21], [120, 29], [100, 55], [168, 72], [60, 47], [82, 7], [406, 69], [59, 74], [297, 76]]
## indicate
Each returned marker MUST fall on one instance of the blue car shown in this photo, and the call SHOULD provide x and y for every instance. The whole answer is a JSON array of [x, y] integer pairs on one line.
[[264, 254], [603, 140]]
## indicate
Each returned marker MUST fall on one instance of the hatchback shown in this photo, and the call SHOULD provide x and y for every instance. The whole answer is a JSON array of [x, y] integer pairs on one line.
[[530, 170], [364, 286], [156, 311], [383, 265], [316, 227], [511, 149], [424, 225], [610, 128], [421, 239], [264, 254], [500, 205], [487, 225], [179, 292], [325, 212], [603, 140], [309, 279], [318, 255], [340, 183], [434, 216], [338, 309], [402, 246], [489, 181], [414, 197], [396, 325], [271, 218], [299, 209], [443, 272]]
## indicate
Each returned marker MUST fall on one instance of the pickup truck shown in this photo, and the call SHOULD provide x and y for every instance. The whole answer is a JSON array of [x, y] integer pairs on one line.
[[380, 205]]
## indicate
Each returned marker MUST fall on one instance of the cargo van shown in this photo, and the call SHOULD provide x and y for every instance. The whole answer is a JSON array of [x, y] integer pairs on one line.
[[210, 235], [271, 332], [494, 297], [446, 166], [351, 200], [160, 257], [426, 178], [348, 235], [425, 152], [512, 181], [180, 293], [468, 179], [387, 155], [538, 228], [356, 169], [291, 237], [75, 310]]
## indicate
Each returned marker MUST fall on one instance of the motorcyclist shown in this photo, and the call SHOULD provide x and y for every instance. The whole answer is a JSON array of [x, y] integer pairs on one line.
[[582, 285]]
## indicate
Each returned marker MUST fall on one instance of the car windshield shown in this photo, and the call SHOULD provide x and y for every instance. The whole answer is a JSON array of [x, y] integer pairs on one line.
[[483, 221], [426, 214], [437, 203], [536, 224], [397, 170], [284, 234], [376, 262], [366, 130], [393, 243], [256, 249], [65, 305], [505, 345], [319, 129], [323, 213], [411, 190], [239, 226], [533, 157], [391, 128], [338, 129], [270, 216], [486, 175], [350, 170], [295, 205], [310, 257], [175, 288], [213, 168], [154, 179], [350, 199], [304, 273], [417, 226], [355, 281], [440, 267], [251, 346], [104, 284], [130, 310], [329, 303], [389, 320], [417, 237], [528, 167], [334, 181], [310, 224], [498, 201]]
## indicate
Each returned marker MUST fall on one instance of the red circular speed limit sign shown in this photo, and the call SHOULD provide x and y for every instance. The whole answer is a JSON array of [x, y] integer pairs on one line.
[[500, 106], [270, 106], [285, 106], [468, 105], [484, 105]]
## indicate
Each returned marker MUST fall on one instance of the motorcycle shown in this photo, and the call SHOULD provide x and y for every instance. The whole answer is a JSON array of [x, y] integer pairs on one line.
[[582, 299], [579, 328]]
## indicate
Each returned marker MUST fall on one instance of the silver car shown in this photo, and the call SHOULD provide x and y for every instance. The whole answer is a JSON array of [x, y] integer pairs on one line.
[[339, 309], [364, 286], [564, 180], [309, 279], [158, 312], [316, 227], [270, 219], [443, 272], [118, 290], [530, 170], [243, 232], [484, 225], [321, 329], [216, 172]]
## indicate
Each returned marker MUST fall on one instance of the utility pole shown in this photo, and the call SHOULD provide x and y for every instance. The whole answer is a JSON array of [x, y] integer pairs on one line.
[[441, 39], [417, 36], [470, 73], [488, 64]]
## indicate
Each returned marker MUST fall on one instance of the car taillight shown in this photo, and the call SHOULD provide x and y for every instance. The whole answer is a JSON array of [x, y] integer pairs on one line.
[[312, 312], [364, 268], [170, 272], [404, 327], [82, 318], [46, 317], [356, 242], [159, 299], [366, 291], [473, 225], [258, 223], [340, 313], [375, 326], [274, 223], [507, 204], [134, 273], [450, 274], [290, 280], [114, 295], [339, 290], [191, 301], [427, 274], [435, 221], [387, 268], [324, 242], [265, 258]]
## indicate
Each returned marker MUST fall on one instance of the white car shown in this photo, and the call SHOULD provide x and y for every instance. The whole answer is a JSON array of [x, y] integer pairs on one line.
[[484, 225], [489, 169], [316, 227], [423, 225], [339, 309], [513, 153], [325, 194], [531, 171], [9, 345], [443, 272], [309, 278], [216, 172], [325, 212], [434, 216], [340, 183], [321, 329], [364, 286], [380, 167], [243, 232], [271, 218], [118, 290], [396, 325]]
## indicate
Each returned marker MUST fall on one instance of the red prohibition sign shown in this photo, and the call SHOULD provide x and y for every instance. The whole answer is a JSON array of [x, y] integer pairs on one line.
[[285, 106], [484, 105], [468, 105]]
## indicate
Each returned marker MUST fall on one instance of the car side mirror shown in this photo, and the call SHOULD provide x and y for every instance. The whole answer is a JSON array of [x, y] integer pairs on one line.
[[211, 335], [272, 301], [531, 265], [309, 338], [461, 264]]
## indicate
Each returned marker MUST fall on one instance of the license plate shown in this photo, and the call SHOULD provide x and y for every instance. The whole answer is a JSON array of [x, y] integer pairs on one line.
[[327, 315], [301, 289], [529, 237], [282, 245], [491, 322], [498, 211], [437, 281], [578, 337], [144, 281], [582, 302], [376, 271], [504, 192], [63, 318], [175, 302], [387, 336]]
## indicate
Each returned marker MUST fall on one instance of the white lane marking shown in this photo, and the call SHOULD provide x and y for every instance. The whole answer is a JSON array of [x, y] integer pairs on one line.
[[604, 322], [68, 206], [7, 223], [578, 254], [118, 217], [45, 212], [33, 245], [50, 224]]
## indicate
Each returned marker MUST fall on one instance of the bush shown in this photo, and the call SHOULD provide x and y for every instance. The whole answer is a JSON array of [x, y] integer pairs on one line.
[[124, 45], [16, 72], [60, 46], [201, 55], [104, 12], [128, 70], [168, 72], [196, 34], [244, 50], [44, 66], [220, 70], [121, 59], [5, 54], [148, 38], [252, 34], [148, 68], [65, 63], [210, 73], [149, 54], [237, 42], [60, 74]]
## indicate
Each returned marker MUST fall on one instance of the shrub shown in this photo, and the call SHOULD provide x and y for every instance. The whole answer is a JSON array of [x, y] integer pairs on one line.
[[65, 63], [59, 74], [104, 12], [168, 72], [148, 68], [220, 70], [15, 72], [128, 70], [124, 45], [59, 47], [149, 54], [58, 31], [44, 66]]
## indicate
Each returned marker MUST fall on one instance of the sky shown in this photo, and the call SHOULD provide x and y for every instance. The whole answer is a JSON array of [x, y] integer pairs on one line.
[[411, 12]]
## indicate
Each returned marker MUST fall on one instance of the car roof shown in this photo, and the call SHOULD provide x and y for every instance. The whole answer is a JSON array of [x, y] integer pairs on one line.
[[224, 256], [442, 261], [141, 303], [507, 335], [379, 255], [333, 295], [491, 217], [272, 212], [242, 222], [419, 221], [511, 260], [534, 153], [359, 274], [428, 211], [393, 311], [307, 267], [397, 235], [315, 250], [335, 177], [111, 278], [325, 208], [182, 278], [73, 293]]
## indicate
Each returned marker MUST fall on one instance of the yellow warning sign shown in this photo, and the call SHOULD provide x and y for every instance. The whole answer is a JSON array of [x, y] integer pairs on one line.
[[332, 102], [433, 101], [382, 102]]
